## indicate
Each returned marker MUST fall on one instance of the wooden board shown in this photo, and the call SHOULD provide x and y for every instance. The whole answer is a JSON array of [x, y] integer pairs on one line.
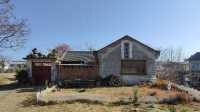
[[41, 71]]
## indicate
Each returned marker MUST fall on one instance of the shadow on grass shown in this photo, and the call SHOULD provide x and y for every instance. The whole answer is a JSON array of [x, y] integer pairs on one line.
[[7, 87], [20, 88], [28, 89]]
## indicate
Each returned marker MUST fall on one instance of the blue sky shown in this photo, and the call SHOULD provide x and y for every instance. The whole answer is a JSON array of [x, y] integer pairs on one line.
[[79, 23]]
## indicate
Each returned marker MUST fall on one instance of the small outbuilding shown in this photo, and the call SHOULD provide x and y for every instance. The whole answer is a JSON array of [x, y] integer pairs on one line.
[[40, 67]]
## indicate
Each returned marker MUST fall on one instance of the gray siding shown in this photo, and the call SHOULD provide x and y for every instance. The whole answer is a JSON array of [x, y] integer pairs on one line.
[[110, 63]]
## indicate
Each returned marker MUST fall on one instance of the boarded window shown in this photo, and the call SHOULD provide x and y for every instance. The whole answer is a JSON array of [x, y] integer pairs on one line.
[[133, 67]]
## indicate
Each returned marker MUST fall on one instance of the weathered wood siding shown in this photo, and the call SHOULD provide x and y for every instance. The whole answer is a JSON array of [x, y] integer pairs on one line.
[[41, 71], [72, 72], [110, 62]]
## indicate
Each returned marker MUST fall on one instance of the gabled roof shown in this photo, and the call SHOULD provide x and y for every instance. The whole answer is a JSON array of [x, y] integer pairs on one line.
[[127, 37], [195, 57], [88, 56]]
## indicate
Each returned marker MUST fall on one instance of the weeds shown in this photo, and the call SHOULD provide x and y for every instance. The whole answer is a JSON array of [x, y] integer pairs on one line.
[[172, 109], [184, 109], [135, 96]]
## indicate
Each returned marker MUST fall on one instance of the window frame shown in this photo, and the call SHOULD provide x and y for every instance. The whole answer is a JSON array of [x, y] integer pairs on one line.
[[138, 73], [127, 50]]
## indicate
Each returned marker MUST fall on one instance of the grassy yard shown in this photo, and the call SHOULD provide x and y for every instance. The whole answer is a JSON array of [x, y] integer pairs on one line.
[[115, 93], [21, 100], [84, 107], [105, 107], [7, 78]]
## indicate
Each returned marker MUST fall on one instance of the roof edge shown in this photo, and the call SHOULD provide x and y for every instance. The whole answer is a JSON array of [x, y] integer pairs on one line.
[[129, 37]]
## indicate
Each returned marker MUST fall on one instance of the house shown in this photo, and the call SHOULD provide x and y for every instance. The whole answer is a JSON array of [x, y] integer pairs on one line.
[[194, 65], [16, 64], [12, 65], [4, 66], [194, 61], [126, 58]]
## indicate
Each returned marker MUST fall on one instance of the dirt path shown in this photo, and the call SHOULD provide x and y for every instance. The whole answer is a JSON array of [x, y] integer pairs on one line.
[[10, 96], [7, 103], [3, 94]]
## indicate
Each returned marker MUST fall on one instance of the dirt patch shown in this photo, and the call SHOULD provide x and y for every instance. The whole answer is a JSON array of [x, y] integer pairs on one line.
[[12, 101]]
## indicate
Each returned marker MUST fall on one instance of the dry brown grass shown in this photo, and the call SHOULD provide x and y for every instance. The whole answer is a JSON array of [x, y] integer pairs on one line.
[[10, 102], [161, 84], [184, 97], [24, 101], [115, 93], [71, 107], [7, 78], [158, 92]]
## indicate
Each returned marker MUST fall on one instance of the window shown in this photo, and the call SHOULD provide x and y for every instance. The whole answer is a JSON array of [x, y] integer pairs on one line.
[[133, 67], [195, 67], [126, 50]]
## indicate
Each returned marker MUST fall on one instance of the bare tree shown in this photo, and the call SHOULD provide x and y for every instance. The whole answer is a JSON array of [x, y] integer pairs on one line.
[[62, 48], [169, 67], [12, 30], [171, 55]]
